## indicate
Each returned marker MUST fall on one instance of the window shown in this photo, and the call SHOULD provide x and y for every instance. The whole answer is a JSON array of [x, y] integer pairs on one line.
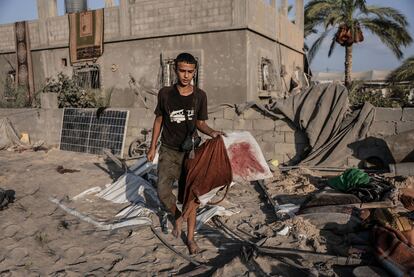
[[87, 76], [10, 86], [267, 75], [169, 77]]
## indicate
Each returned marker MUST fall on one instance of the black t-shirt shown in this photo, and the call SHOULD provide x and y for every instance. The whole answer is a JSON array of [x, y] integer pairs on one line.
[[172, 106]]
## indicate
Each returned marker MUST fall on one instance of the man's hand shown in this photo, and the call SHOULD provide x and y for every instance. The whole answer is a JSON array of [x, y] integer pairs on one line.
[[217, 133], [151, 154]]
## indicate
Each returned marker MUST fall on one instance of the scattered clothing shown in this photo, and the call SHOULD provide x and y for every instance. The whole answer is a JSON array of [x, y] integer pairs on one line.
[[360, 184], [393, 250], [350, 179]]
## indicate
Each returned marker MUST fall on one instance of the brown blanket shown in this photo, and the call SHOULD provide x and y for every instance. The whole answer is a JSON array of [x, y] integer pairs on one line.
[[209, 169], [394, 250]]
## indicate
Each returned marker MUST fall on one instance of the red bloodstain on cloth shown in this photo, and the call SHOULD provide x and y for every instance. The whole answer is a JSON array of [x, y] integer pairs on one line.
[[243, 160]]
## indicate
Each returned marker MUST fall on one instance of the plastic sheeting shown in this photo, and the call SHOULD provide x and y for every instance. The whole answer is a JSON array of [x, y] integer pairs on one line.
[[8, 136], [246, 157], [322, 112]]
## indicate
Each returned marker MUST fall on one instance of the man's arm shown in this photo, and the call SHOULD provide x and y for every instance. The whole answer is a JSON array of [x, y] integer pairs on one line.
[[156, 130], [205, 129]]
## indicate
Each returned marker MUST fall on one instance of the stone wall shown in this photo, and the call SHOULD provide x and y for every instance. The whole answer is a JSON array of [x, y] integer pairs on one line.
[[277, 138]]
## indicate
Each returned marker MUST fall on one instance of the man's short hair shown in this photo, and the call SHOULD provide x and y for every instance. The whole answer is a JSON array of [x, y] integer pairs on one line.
[[186, 58]]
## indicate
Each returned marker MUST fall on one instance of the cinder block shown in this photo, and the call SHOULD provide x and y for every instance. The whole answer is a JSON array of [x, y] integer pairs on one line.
[[275, 137], [405, 126], [284, 126], [243, 124], [285, 148], [388, 114], [408, 114], [223, 124], [382, 129], [229, 113], [252, 114], [267, 149], [263, 124], [289, 137]]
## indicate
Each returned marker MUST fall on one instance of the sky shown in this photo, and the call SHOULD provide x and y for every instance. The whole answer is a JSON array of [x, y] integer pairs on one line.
[[368, 55]]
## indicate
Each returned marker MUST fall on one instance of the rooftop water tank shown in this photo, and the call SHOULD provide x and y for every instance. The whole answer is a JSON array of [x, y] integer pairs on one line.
[[75, 6]]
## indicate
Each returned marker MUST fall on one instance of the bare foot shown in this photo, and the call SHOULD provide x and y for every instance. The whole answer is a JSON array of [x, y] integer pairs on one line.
[[177, 227], [193, 247]]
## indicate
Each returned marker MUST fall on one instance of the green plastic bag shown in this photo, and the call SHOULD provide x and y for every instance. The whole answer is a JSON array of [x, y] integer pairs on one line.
[[351, 178]]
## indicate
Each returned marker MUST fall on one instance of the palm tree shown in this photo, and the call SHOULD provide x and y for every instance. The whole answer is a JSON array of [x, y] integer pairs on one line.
[[350, 19], [404, 72]]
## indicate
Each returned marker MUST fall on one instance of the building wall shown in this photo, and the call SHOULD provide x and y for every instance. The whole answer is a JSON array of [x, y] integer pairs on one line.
[[277, 138], [226, 33], [219, 53]]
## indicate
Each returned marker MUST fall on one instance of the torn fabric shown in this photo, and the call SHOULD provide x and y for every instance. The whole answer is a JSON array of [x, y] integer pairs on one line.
[[321, 112], [8, 136]]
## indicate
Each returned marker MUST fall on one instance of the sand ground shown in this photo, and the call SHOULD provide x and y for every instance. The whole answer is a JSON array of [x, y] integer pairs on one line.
[[39, 239]]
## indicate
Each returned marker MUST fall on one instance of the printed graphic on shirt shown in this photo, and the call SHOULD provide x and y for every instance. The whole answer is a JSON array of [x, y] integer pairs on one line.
[[178, 116]]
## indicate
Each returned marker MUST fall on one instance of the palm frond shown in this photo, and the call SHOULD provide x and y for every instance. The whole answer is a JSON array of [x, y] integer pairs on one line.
[[317, 44], [361, 5], [319, 8], [332, 47], [405, 72], [389, 32], [387, 13], [333, 18]]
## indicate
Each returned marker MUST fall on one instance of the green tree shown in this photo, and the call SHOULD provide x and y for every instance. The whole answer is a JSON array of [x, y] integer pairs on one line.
[[347, 20], [405, 72]]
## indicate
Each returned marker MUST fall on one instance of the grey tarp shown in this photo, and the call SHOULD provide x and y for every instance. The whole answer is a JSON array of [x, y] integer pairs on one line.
[[322, 112], [8, 136]]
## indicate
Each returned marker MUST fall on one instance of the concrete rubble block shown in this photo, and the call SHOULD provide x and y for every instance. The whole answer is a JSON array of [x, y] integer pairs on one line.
[[223, 124], [263, 124], [408, 114], [229, 113], [405, 126], [243, 124], [388, 114], [285, 148], [252, 114], [275, 137], [381, 129]]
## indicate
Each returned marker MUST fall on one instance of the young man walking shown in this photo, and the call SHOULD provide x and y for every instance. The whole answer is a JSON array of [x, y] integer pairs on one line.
[[181, 109]]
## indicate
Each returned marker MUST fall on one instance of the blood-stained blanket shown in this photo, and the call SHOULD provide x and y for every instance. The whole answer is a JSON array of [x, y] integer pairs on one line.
[[246, 157]]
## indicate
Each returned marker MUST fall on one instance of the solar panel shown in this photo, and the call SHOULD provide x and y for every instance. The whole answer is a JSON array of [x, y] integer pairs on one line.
[[82, 131]]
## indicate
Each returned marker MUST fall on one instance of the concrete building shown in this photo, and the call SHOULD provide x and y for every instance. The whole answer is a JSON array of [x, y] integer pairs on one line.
[[247, 49]]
